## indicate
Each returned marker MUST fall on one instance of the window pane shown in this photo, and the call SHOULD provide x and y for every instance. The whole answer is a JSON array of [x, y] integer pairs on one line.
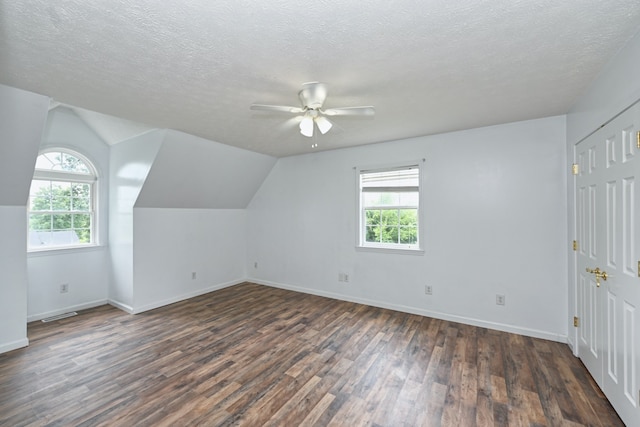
[[73, 164], [389, 235], [61, 221], [39, 222], [39, 186], [62, 162], [45, 161], [373, 233], [81, 200], [83, 235], [40, 195], [381, 199], [81, 220], [409, 235], [409, 217], [40, 203], [40, 238], [81, 205], [66, 162], [372, 217], [64, 237], [60, 196], [390, 217]]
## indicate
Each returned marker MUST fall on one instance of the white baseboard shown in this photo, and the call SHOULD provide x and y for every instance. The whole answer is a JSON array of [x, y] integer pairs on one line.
[[122, 306], [571, 345], [14, 345], [76, 307], [178, 298], [422, 312]]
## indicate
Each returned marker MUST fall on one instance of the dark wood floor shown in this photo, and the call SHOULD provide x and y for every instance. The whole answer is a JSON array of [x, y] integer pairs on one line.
[[252, 355]]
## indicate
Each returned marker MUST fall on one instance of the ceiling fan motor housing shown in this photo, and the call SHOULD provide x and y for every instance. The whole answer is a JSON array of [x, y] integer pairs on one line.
[[313, 95]]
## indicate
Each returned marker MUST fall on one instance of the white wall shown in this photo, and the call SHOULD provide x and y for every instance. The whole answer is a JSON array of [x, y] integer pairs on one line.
[[22, 119], [130, 162], [189, 217], [171, 244], [495, 222], [616, 88], [86, 270]]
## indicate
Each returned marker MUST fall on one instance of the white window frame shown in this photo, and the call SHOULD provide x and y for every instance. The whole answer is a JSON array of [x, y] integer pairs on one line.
[[73, 177], [361, 243]]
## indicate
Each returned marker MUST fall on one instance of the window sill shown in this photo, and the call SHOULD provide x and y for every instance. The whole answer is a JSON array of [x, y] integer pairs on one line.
[[63, 250], [398, 251]]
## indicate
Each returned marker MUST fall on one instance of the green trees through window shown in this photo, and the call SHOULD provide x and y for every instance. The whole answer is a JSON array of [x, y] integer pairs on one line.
[[61, 201], [61, 206], [392, 226]]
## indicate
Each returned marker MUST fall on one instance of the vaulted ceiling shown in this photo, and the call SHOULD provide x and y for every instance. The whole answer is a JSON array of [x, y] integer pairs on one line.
[[428, 66]]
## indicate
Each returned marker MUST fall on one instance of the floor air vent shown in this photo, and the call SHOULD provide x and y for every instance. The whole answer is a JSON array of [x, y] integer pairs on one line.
[[59, 316]]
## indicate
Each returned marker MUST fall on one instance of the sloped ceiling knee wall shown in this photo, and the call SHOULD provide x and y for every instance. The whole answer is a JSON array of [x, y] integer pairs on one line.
[[192, 172]]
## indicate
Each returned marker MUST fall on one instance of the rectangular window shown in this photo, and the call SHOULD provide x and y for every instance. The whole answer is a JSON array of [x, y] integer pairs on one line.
[[389, 207]]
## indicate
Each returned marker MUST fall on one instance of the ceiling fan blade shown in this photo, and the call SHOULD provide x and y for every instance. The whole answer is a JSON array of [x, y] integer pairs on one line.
[[306, 126], [350, 111], [277, 108], [323, 124], [313, 94]]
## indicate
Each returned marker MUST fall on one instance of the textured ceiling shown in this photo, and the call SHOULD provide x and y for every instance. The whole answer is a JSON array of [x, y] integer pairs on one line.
[[427, 66]]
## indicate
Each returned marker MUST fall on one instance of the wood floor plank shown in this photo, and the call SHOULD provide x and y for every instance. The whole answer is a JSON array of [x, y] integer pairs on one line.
[[314, 415], [299, 400], [251, 355], [422, 413]]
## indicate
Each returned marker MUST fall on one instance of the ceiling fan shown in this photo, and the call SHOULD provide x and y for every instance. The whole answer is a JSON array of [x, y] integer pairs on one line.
[[312, 97]]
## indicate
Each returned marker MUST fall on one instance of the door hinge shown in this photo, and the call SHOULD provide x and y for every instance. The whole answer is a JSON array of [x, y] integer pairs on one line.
[[575, 169], [638, 268], [638, 139], [575, 246], [576, 321]]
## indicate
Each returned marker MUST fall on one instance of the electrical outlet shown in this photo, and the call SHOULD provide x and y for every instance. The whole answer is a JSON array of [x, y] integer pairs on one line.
[[343, 277], [64, 288], [193, 275], [428, 290], [500, 300]]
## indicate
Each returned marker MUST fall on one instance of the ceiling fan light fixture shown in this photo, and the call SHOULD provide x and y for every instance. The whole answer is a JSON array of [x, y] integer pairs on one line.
[[312, 97], [306, 126], [323, 124]]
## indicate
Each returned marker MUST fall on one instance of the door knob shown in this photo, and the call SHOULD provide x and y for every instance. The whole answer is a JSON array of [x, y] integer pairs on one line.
[[600, 274]]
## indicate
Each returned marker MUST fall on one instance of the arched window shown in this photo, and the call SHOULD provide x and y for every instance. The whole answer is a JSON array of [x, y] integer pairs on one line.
[[62, 201]]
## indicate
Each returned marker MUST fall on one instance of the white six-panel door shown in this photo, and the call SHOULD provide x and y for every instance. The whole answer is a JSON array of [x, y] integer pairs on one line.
[[608, 235]]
